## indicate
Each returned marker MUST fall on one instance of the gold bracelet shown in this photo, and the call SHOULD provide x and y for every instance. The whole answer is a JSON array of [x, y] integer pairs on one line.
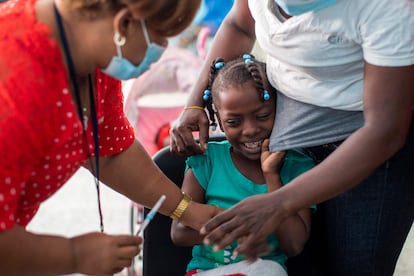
[[178, 212], [193, 107]]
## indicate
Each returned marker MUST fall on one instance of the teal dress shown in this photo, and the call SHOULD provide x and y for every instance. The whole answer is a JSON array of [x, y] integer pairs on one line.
[[225, 186]]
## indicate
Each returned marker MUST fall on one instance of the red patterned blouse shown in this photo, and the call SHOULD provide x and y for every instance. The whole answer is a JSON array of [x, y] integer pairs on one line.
[[41, 139]]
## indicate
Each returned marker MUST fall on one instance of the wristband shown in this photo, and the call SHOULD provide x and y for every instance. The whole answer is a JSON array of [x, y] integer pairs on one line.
[[181, 207], [193, 107]]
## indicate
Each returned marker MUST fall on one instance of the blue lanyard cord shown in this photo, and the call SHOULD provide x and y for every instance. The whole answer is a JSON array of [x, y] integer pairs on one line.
[[73, 78]]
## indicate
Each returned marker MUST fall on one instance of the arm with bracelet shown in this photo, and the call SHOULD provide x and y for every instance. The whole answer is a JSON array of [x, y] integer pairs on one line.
[[181, 207]]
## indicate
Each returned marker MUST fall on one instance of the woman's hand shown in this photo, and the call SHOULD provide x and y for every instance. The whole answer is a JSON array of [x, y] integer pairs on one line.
[[250, 221], [182, 141], [102, 254]]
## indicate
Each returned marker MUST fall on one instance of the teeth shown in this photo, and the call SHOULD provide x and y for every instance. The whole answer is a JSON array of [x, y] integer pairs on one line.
[[253, 145]]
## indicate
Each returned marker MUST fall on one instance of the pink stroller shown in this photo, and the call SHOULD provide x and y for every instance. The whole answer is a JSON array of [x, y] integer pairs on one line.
[[158, 96]]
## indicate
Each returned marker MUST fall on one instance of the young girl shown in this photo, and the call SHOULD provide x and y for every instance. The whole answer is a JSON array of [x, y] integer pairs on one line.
[[241, 98]]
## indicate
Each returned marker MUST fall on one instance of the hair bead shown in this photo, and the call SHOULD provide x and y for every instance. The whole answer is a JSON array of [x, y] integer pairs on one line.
[[207, 94], [266, 95], [247, 56], [247, 59], [219, 65]]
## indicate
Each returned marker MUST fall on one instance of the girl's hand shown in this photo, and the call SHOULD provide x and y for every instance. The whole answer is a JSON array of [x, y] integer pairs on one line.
[[271, 161], [102, 254]]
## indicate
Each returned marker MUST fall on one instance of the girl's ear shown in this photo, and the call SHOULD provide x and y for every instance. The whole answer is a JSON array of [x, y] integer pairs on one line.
[[121, 21]]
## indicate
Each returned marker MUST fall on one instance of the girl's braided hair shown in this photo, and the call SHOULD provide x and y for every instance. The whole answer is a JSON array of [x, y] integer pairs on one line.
[[236, 72]]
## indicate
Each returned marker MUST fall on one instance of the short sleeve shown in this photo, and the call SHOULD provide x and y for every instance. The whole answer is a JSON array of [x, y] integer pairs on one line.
[[201, 167], [115, 132], [295, 164], [387, 32]]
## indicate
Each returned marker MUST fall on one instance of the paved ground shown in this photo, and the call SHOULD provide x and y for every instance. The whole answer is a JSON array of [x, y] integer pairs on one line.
[[73, 211]]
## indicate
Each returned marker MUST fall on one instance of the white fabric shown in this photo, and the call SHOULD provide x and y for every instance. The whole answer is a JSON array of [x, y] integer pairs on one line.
[[318, 57], [258, 268]]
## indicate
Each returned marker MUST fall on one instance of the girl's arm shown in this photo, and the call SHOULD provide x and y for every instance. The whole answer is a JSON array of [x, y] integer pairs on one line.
[[181, 234], [294, 231]]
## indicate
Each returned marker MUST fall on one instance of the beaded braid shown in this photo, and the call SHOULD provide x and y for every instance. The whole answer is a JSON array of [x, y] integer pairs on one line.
[[252, 67], [207, 97]]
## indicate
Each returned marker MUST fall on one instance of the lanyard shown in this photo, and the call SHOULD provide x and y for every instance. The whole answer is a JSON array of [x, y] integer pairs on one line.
[[72, 75]]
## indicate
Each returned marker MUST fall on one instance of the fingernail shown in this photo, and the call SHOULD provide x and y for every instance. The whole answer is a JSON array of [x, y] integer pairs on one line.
[[203, 231]]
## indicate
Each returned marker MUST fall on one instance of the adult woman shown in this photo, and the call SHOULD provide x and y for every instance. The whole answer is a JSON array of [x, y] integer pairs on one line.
[[345, 77], [51, 57]]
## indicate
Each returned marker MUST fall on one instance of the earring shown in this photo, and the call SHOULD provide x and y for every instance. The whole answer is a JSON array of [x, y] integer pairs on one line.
[[119, 40]]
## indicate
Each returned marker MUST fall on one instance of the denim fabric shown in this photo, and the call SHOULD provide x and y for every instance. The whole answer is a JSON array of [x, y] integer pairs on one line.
[[362, 232]]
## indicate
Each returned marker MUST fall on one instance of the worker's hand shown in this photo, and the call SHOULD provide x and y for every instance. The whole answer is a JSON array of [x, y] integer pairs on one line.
[[102, 254]]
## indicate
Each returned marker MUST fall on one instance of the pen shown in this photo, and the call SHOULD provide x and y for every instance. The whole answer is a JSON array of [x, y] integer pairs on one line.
[[151, 214]]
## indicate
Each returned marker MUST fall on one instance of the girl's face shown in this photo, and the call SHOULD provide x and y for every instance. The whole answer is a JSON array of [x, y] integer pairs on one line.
[[245, 118]]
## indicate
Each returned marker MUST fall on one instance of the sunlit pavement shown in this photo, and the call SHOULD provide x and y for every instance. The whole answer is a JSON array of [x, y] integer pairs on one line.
[[73, 210]]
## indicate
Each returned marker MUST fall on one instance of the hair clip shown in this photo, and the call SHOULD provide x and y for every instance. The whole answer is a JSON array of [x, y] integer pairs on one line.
[[219, 65], [266, 95], [207, 94]]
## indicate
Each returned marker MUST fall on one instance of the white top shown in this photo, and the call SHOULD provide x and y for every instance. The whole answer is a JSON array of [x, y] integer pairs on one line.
[[318, 57]]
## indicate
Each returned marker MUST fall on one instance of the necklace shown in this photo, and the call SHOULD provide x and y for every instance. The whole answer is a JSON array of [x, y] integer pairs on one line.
[[82, 112]]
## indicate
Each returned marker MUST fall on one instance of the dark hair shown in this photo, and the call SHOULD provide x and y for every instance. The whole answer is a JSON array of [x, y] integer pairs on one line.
[[235, 72], [165, 17]]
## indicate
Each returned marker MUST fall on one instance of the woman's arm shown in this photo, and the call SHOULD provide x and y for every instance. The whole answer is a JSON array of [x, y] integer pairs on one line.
[[388, 109], [134, 174], [24, 253], [181, 234], [235, 36]]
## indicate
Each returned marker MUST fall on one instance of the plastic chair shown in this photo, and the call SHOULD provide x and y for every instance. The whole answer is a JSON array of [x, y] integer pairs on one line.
[[160, 255]]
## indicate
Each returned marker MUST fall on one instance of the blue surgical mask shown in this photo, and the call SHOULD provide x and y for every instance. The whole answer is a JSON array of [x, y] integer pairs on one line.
[[122, 69], [298, 7]]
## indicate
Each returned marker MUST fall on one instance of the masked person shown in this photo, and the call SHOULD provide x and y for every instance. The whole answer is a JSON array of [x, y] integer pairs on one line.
[[61, 63]]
